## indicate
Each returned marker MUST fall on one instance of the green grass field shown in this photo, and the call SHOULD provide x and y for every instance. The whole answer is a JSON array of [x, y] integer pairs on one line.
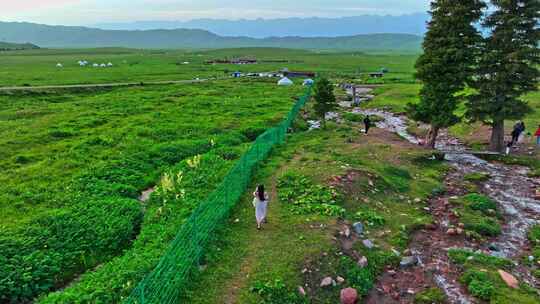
[[74, 162], [38, 67]]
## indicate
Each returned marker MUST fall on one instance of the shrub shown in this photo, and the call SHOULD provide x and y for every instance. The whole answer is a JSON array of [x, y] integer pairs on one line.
[[479, 284], [480, 202]]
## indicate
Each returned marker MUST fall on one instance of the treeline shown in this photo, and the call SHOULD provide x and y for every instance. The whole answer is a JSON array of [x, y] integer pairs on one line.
[[7, 46], [500, 67]]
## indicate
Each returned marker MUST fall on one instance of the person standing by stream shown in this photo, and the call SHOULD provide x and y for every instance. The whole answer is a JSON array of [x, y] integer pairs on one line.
[[367, 123]]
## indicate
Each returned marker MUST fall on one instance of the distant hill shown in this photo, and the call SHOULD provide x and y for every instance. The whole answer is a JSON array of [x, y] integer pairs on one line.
[[8, 46], [304, 27], [80, 37]]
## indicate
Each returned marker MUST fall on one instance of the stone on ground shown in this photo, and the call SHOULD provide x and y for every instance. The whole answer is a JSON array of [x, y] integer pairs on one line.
[[509, 279], [358, 228], [326, 282], [349, 296]]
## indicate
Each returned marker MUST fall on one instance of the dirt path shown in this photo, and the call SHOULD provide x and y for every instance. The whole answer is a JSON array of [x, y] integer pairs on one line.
[[509, 186], [102, 85]]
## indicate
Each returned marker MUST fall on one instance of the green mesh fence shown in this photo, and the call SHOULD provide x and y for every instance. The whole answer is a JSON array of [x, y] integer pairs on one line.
[[165, 283]]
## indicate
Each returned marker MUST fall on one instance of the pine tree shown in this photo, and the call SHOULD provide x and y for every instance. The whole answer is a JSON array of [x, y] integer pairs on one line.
[[446, 66], [325, 100], [507, 68]]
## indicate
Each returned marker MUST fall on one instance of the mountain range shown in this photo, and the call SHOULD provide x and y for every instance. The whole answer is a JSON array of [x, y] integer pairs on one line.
[[304, 27], [82, 37]]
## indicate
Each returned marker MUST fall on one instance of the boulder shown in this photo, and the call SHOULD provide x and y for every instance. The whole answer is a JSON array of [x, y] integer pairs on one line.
[[362, 262], [327, 282], [368, 243], [408, 261], [358, 228], [349, 296], [509, 279], [301, 291], [340, 280]]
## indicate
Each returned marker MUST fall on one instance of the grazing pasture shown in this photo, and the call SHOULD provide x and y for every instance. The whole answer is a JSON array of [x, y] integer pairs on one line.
[[74, 163], [38, 67]]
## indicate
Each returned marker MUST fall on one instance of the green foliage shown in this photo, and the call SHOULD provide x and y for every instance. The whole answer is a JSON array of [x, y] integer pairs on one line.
[[363, 278], [325, 100], [353, 117], [397, 178], [476, 177], [479, 214], [450, 48], [508, 66], [371, 218], [479, 284], [430, 296], [468, 258], [480, 202], [305, 197], [277, 292]]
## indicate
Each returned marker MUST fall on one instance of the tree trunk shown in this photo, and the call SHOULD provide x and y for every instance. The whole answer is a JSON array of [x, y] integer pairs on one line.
[[432, 137], [497, 136]]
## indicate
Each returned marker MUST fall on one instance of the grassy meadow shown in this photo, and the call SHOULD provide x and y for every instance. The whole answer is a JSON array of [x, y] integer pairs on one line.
[[75, 161], [38, 67]]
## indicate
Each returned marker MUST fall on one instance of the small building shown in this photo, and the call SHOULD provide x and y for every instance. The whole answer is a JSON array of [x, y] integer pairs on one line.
[[308, 82], [285, 82], [103, 65], [376, 75], [236, 74], [109, 64], [95, 65], [292, 74], [59, 65]]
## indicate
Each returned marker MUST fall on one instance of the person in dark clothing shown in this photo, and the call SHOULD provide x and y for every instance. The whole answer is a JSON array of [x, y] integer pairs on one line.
[[367, 123], [516, 132]]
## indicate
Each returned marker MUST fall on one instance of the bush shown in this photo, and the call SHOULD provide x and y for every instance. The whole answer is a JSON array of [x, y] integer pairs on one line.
[[480, 202], [479, 284]]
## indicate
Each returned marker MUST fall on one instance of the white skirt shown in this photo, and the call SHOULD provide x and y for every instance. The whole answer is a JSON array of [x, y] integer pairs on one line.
[[260, 209]]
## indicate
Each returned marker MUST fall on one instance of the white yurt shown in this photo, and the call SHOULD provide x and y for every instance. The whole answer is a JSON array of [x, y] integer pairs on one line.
[[103, 65], [95, 65], [59, 65], [285, 82], [308, 81], [109, 64]]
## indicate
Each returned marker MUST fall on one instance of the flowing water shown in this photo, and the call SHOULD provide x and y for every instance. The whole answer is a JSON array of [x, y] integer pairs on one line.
[[509, 186]]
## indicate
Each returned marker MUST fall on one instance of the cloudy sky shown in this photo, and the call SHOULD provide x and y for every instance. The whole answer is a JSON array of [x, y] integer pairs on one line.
[[84, 12]]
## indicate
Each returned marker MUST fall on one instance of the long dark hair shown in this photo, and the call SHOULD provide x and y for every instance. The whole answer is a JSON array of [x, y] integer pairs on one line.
[[260, 192]]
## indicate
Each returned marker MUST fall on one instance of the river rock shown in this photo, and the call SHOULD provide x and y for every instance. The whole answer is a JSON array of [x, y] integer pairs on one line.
[[493, 247], [358, 228], [368, 243], [326, 282], [509, 279], [340, 280], [408, 261], [348, 296], [301, 291], [451, 231], [362, 262]]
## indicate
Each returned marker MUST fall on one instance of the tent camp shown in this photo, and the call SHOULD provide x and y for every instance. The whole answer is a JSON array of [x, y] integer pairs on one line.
[[285, 82], [308, 81]]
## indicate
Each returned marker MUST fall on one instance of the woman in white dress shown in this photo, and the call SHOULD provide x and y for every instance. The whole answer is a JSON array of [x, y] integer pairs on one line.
[[260, 203]]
